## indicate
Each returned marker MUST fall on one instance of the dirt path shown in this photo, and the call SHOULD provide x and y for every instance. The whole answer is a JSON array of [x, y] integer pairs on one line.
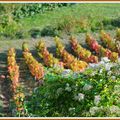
[[4, 87]]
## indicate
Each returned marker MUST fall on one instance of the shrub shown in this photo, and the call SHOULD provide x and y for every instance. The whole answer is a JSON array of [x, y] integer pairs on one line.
[[9, 28], [66, 24], [35, 33], [24, 10], [116, 22], [92, 93], [49, 31]]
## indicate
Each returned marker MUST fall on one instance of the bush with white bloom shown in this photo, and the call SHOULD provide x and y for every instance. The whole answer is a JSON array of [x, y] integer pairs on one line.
[[117, 89], [113, 77], [105, 59], [114, 110], [66, 72], [87, 87], [97, 99], [59, 91], [93, 93], [94, 110], [79, 97], [68, 88]]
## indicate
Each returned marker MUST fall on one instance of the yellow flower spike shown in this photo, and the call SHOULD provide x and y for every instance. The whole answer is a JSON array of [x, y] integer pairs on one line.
[[33, 64]]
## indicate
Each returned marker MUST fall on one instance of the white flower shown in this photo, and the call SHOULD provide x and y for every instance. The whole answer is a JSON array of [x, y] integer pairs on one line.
[[87, 87], [71, 109], [46, 104], [68, 88], [114, 109], [93, 73], [66, 72], [67, 84], [108, 66], [75, 74], [101, 63], [94, 110], [117, 89], [97, 99], [101, 80], [109, 72], [79, 97], [59, 91], [101, 70], [113, 77], [105, 59], [92, 65]]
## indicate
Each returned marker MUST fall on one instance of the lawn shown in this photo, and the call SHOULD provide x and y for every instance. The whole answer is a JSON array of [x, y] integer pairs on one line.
[[104, 11]]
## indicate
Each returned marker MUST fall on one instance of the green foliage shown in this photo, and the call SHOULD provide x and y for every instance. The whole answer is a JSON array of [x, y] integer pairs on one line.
[[66, 24], [116, 22], [49, 31], [26, 10], [10, 24], [74, 19], [92, 93], [71, 24], [35, 33], [8, 27]]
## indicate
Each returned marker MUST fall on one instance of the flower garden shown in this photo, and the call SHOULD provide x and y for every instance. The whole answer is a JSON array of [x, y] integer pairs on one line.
[[84, 83]]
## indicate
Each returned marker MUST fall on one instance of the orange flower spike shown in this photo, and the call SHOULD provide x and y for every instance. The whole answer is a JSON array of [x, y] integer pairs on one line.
[[81, 52], [99, 49], [48, 58], [70, 61], [32, 63]]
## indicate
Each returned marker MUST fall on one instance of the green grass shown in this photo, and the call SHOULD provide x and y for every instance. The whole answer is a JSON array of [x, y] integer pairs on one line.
[[94, 11], [98, 11]]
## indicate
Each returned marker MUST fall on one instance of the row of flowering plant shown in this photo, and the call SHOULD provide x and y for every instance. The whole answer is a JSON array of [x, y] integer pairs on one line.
[[36, 69], [69, 60], [48, 58], [82, 53], [13, 70], [109, 42], [101, 51]]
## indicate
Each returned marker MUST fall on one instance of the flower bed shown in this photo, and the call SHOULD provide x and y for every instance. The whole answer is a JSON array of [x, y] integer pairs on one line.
[[70, 61], [82, 53], [13, 70], [101, 51], [48, 58], [109, 42]]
